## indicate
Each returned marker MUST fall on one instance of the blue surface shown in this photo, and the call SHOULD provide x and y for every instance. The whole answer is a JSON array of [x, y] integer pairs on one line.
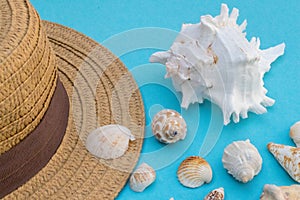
[[123, 26]]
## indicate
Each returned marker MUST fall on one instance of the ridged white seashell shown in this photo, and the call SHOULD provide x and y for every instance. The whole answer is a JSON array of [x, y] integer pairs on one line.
[[214, 60], [194, 171], [142, 177], [295, 133], [217, 194], [109, 142], [168, 126], [242, 160], [273, 192], [288, 157]]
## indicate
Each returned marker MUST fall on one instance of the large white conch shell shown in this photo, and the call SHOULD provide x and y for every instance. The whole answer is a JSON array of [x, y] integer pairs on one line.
[[109, 142], [214, 60], [242, 160], [288, 157], [273, 192]]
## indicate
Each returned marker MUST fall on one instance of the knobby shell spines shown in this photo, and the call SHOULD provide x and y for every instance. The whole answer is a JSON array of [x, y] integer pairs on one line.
[[214, 60], [242, 160], [273, 192]]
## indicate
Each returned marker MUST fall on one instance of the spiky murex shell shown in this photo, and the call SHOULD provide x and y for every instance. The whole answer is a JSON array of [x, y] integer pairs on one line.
[[214, 60]]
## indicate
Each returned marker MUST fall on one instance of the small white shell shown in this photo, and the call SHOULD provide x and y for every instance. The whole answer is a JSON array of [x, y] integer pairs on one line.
[[273, 192], [168, 126], [109, 142], [295, 133], [217, 194], [288, 157], [194, 171], [142, 177], [242, 160]]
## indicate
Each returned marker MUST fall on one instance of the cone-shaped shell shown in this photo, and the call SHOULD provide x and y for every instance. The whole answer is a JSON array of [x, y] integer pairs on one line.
[[109, 142], [168, 126], [194, 172], [288, 157], [242, 160], [142, 177], [273, 192], [217, 194], [295, 133]]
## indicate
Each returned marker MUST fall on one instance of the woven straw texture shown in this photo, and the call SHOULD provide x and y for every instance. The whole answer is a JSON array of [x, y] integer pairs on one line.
[[27, 72], [101, 91]]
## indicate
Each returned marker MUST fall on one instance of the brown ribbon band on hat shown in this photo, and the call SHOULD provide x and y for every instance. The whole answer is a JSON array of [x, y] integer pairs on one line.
[[27, 158]]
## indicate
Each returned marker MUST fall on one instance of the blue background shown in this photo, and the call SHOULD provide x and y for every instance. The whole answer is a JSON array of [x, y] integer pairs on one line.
[[116, 24]]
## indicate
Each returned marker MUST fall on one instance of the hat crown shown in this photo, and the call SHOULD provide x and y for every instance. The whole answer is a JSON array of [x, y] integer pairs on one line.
[[28, 72]]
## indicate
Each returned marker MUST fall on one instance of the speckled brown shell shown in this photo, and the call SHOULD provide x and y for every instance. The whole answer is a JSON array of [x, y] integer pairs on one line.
[[288, 157], [168, 126], [217, 194]]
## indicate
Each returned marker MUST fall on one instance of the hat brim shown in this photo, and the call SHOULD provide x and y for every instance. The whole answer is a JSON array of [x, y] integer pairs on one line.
[[101, 91]]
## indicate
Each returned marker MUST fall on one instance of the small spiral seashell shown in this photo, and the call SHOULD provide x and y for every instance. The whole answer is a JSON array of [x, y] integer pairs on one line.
[[242, 160], [142, 177], [217, 194], [109, 142], [295, 133], [168, 126], [194, 172]]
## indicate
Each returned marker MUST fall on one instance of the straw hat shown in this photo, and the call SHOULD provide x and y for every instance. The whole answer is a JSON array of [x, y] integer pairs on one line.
[[49, 104]]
